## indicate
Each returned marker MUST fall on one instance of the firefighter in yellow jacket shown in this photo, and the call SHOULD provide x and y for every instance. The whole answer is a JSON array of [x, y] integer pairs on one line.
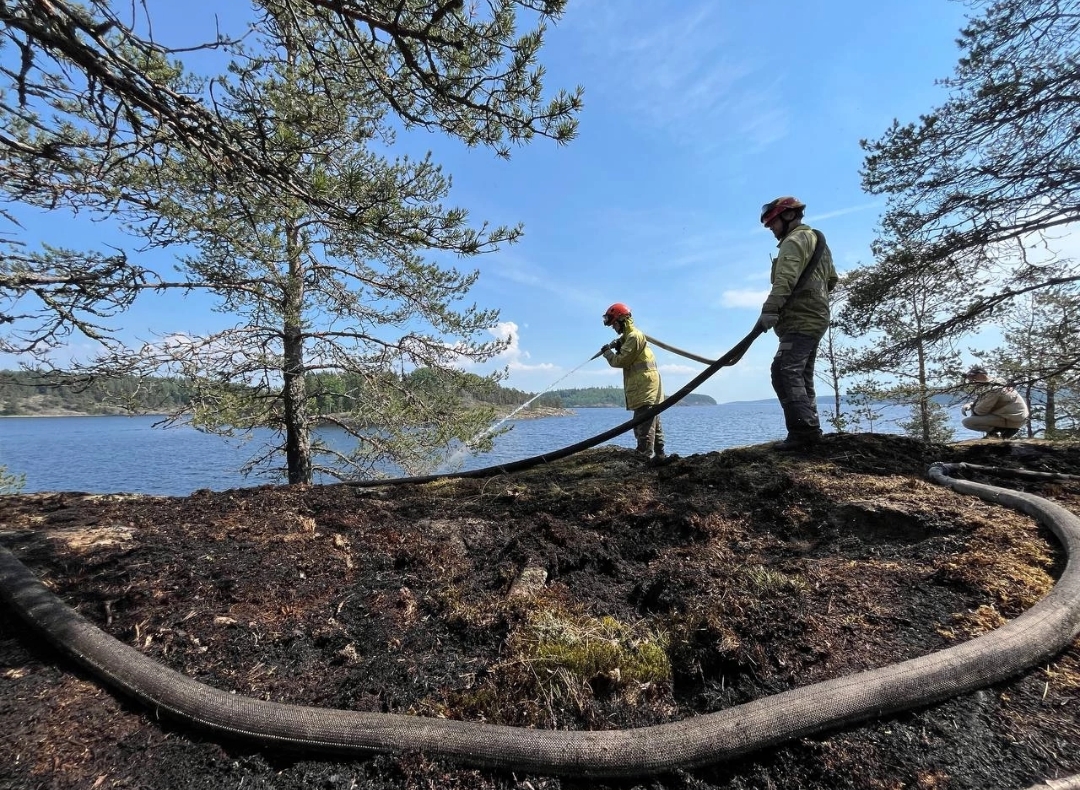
[[641, 378]]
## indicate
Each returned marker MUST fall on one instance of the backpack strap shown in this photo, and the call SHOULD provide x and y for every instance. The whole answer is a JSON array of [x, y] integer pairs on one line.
[[819, 249]]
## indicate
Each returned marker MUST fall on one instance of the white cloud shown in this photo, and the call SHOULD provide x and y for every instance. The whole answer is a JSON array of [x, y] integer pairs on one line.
[[743, 298], [514, 357]]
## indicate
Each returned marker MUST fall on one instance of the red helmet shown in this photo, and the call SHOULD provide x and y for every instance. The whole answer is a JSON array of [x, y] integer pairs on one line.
[[774, 208], [616, 312]]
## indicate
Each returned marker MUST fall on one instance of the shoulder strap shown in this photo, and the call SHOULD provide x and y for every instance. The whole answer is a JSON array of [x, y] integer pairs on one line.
[[819, 248]]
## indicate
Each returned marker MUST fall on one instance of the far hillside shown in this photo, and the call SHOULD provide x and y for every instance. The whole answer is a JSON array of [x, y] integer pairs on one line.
[[27, 394], [590, 397]]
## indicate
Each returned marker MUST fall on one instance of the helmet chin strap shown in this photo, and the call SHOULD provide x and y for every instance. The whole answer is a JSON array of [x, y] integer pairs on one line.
[[788, 224]]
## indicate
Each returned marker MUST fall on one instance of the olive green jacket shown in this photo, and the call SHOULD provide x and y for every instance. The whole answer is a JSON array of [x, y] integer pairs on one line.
[[641, 379], [806, 312]]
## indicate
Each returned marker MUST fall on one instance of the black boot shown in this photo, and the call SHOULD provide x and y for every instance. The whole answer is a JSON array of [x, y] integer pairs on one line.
[[800, 439]]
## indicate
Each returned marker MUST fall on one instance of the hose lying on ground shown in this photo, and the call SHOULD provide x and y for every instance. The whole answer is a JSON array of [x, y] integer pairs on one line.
[[1031, 638], [1022, 474], [1067, 783]]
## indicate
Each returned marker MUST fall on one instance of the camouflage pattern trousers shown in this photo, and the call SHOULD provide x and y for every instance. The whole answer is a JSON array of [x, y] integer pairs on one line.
[[649, 435]]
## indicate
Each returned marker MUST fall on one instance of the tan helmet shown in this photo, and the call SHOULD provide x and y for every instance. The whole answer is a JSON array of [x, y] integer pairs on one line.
[[617, 312]]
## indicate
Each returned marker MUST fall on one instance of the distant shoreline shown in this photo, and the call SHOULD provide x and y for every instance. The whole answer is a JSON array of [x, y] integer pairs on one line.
[[503, 412], [86, 414], [530, 413]]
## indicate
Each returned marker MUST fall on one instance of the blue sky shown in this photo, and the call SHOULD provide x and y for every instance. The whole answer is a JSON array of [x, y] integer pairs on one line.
[[696, 113]]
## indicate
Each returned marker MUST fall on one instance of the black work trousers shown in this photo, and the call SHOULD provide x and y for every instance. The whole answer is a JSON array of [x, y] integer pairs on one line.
[[793, 382]]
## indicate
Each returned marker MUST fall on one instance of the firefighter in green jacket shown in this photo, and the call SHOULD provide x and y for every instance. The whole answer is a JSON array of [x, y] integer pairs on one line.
[[641, 379], [799, 314]]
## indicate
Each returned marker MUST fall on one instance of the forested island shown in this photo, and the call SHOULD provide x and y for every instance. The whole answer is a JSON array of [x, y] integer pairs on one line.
[[28, 394], [589, 397]]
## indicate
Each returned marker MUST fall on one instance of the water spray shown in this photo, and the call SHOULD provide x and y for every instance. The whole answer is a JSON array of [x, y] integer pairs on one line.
[[462, 451]]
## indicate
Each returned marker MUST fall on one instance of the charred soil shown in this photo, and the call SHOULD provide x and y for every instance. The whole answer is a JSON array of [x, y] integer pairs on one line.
[[593, 593]]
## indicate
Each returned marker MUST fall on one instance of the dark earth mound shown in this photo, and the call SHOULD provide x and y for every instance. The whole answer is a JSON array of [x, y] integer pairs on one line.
[[592, 593]]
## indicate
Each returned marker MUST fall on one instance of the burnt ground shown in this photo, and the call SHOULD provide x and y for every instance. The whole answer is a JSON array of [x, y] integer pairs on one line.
[[710, 581]]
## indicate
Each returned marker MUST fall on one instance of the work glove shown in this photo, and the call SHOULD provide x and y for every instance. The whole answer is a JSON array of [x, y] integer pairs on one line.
[[604, 349], [767, 321], [966, 408]]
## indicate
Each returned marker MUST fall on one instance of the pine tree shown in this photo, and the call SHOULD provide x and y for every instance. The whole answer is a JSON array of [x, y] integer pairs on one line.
[[982, 183], [835, 361], [327, 253], [865, 397], [11, 483], [909, 366], [1041, 334]]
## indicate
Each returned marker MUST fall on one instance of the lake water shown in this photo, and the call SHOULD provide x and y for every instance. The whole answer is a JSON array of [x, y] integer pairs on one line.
[[127, 454]]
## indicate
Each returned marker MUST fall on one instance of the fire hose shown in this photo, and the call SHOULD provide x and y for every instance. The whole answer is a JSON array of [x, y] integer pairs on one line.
[[1037, 634]]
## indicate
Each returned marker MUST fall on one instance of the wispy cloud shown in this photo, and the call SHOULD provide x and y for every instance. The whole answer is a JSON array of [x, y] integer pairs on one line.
[[684, 74], [841, 212], [520, 272], [743, 298], [655, 239]]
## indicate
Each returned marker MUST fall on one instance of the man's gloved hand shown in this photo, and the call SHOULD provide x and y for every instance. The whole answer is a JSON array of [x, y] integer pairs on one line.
[[605, 348], [966, 408], [767, 321]]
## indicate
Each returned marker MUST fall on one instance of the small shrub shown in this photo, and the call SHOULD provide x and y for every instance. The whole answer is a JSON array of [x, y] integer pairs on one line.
[[765, 581], [11, 484]]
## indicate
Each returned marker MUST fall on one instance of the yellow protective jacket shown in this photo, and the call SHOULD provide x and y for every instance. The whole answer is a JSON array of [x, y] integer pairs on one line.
[[806, 312], [641, 379]]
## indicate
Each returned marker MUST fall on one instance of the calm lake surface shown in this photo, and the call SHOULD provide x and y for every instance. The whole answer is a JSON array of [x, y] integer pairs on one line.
[[127, 454]]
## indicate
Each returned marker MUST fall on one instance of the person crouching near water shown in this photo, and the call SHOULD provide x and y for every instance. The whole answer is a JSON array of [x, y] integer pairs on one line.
[[998, 410], [641, 378]]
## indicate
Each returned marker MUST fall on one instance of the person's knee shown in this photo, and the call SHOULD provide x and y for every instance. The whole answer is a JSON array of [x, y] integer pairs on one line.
[[787, 379], [776, 371]]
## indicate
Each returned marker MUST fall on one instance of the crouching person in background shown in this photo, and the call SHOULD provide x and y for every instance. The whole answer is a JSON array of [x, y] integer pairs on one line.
[[998, 410]]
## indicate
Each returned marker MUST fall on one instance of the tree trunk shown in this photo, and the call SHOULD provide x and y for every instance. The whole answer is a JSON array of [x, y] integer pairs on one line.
[[1049, 411], [924, 401], [294, 388]]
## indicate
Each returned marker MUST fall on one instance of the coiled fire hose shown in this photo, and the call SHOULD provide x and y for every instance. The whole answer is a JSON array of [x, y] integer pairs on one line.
[[1037, 634]]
